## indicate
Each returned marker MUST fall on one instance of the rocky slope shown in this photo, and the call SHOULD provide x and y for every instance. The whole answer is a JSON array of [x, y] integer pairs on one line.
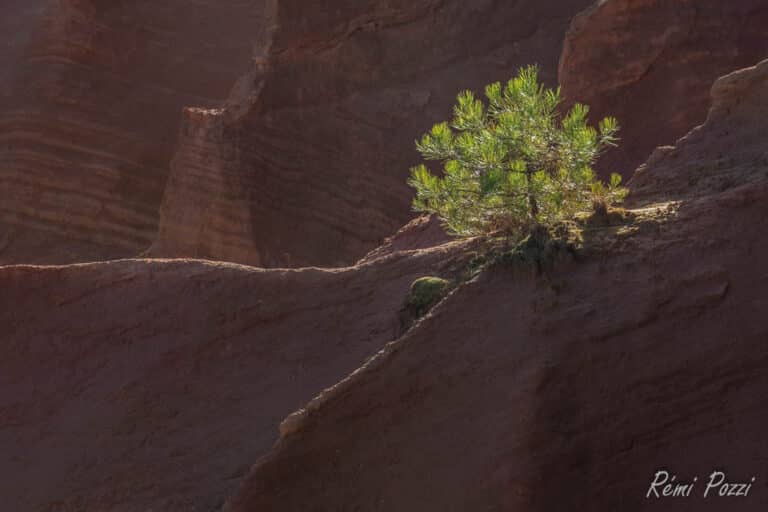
[[153, 385], [568, 390], [651, 63], [91, 122], [307, 163]]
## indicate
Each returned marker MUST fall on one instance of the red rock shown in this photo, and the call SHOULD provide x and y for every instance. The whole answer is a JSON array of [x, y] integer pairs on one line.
[[154, 385], [92, 122], [650, 63], [17, 22], [725, 154], [570, 392], [307, 165], [421, 233]]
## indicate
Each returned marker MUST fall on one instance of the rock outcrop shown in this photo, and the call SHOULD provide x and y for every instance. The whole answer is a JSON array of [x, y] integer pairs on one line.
[[651, 63], [569, 390], [154, 385], [421, 233], [308, 162], [92, 119], [726, 152]]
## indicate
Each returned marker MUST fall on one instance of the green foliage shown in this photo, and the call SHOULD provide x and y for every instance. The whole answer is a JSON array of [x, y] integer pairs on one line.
[[512, 164], [603, 196], [425, 293]]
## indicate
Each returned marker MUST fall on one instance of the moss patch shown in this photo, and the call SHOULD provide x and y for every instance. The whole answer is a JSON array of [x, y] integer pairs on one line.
[[425, 293]]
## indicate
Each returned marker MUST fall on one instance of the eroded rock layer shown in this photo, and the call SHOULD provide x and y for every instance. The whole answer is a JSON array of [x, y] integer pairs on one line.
[[569, 390], [307, 165], [154, 385], [651, 63], [92, 119]]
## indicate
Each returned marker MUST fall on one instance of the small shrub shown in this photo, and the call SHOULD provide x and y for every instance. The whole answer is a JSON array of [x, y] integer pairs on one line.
[[604, 196], [425, 293], [514, 164]]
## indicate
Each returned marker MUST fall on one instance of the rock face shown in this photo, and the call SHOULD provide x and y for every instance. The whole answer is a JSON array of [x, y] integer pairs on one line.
[[307, 164], [654, 76], [421, 233], [727, 151], [19, 17], [569, 392], [154, 385], [91, 123]]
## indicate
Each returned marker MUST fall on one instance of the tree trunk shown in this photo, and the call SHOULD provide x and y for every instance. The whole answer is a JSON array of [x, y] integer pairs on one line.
[[532, 203]]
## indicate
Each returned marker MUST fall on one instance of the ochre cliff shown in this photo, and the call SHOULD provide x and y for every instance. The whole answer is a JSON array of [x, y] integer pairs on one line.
[[651, 63], [92, 117], [307, 164], [153, 385], [569, 390]]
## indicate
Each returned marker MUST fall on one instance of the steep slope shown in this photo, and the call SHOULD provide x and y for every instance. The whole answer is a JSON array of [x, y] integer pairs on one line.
[[620, 58], [307, 164], [93, 116], [153, 385], [569, 390]]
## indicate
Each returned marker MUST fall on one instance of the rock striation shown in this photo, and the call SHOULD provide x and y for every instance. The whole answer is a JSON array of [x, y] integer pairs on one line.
[[92, 118], [19, 19], [307, 163], [620, 58], [569, 390]]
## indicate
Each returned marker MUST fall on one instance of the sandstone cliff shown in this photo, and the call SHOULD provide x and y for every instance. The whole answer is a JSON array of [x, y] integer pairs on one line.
[[91, 121], [567, 391], [651, 63], [307, 164]]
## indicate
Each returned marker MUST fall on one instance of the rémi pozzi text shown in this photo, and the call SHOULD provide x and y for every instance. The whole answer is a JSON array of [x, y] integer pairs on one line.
[[666, 485]]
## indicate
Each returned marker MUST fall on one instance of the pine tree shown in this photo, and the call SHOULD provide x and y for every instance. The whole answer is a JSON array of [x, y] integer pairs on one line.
[[513, 164]]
